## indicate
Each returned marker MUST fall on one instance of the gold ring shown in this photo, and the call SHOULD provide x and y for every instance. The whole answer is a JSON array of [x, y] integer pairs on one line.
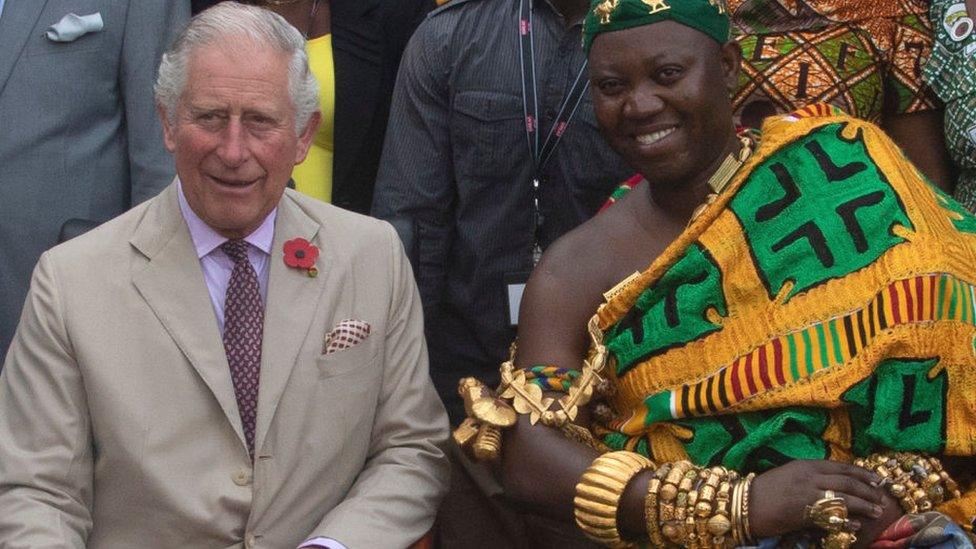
[[828, 513]]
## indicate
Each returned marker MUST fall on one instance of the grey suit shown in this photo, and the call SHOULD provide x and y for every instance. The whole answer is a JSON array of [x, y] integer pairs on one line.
[[78, 133]]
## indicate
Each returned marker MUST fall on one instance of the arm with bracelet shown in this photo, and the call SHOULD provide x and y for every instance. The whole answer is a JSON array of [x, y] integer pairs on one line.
[[781, 345]]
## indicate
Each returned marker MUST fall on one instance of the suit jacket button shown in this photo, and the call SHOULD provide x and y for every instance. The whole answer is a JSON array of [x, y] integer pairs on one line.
[[242, 477]]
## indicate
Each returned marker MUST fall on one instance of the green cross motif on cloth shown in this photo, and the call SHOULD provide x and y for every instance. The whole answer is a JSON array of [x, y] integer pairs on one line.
[[757, 441], [899, 407], [805, 223], [674, 310]]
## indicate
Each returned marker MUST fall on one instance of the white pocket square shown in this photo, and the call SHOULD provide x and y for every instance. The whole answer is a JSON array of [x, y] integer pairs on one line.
[[347, 333], [71, 27]]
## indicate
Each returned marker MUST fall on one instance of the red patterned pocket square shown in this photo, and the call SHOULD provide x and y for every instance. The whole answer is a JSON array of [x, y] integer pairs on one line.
[[347, 333]]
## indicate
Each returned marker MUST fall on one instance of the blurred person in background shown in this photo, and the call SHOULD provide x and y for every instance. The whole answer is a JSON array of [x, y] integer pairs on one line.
[[79, 139], [951, 72], [354, 48], [864, 57], [492, 153]]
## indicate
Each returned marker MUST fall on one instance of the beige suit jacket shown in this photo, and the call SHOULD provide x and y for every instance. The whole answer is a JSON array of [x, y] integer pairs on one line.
[[118, 422]]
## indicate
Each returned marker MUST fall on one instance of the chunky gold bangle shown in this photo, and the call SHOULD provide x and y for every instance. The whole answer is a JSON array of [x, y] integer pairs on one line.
[[706, 505], [669, 492], [598, 495], [691, 536], [719, 525], [651, 519], [918, 482]]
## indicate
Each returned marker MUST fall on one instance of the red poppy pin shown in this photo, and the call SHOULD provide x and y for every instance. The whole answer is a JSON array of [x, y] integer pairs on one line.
[[301, 254]]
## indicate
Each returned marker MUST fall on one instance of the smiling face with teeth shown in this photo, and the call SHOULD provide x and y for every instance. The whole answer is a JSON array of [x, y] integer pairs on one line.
[[233, 137], [661, 96]]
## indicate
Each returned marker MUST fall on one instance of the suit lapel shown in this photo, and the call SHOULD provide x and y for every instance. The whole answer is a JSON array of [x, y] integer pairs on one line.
[[293, 301], [16, 23], [173, 286]]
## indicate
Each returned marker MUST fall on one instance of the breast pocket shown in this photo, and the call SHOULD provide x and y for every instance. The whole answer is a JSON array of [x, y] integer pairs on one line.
[[55, 11], [487, 132], [350, 381], [359, 359]]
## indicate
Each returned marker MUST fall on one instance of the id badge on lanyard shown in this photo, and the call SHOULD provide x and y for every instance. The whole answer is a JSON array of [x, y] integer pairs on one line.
[[542, 153]]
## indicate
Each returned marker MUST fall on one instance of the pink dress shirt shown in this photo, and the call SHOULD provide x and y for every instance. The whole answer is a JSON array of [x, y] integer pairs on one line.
[[217, 268]]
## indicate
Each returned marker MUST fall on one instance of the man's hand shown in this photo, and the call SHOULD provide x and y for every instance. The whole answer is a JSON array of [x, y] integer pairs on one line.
[[779, 498]]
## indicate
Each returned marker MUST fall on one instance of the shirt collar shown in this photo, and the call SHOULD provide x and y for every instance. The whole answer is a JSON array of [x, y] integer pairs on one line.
[[206, 239]]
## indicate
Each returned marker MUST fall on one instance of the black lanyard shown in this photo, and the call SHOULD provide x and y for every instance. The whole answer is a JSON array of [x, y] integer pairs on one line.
[[541, 155]]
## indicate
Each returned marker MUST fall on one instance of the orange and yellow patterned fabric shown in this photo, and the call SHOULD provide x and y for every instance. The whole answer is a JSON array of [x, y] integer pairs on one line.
[[824, 307], [863, 56]]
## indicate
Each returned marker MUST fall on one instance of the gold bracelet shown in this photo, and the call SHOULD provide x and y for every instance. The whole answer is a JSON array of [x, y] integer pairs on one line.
[[719, 524], [650, 511], [746, 528], [918, 482], [598, 495], [736, 513], [671, 524], [669, 491], [691, 535], [741, 532], [706, 506]]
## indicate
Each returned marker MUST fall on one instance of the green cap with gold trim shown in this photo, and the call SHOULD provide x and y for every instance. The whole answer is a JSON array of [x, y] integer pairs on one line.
[[708, 16]]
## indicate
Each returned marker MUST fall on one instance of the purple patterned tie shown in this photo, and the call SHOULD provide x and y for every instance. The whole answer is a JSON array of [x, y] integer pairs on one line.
[[243, 330]]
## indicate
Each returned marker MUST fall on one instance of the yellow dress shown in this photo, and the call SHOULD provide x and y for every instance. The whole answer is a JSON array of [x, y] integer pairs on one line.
[[314, 175]]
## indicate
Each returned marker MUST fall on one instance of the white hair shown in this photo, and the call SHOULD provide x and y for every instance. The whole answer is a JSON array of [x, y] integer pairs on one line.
[[230, 22]]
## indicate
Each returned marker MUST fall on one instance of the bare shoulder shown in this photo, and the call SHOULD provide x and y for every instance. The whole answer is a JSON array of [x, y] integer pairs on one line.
[[565, 290], [572, 263], [590, 259]]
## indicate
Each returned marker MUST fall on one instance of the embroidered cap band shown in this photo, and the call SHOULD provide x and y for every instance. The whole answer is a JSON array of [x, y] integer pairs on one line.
[[708, 16]]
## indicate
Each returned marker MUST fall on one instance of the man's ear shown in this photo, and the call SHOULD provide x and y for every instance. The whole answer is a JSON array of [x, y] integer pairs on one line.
[[731, 55], [307, 136], [169, 140]]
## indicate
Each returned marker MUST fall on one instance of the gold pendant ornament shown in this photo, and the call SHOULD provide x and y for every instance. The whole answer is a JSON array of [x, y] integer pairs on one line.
[[724, 174], [719, 5], [487, 415], [605, 9], [657, 6], [491, 411]]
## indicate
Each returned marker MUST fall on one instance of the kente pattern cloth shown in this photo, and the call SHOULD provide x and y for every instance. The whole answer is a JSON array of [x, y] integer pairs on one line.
[[551, 378], [622, 191], [951, 72], [863, 56], [922, 530], [243, 332], [824, 307], [932, 530]]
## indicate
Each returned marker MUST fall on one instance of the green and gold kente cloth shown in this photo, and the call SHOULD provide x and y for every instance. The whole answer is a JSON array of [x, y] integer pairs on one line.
[[708, 16], [823, 307]]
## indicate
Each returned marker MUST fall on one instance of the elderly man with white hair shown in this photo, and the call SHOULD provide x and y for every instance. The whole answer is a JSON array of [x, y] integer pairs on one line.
[[230, 363]]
